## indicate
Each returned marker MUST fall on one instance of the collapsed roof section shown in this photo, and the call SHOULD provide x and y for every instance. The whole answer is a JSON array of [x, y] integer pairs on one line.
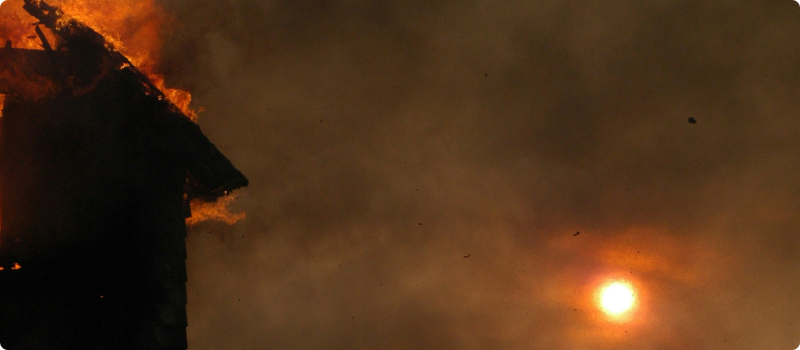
[[82, 62]]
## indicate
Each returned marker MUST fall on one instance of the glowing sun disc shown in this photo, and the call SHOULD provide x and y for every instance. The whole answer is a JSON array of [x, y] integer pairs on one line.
[[617, 298]]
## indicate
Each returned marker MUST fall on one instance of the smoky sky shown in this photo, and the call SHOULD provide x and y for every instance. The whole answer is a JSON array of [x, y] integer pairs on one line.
[[387, 140]]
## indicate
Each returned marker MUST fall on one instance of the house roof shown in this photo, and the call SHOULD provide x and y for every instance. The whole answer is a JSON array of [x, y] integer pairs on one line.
[[85, 64]]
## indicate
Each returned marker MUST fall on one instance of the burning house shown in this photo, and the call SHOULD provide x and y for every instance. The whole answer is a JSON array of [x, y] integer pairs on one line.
[[97, 169]]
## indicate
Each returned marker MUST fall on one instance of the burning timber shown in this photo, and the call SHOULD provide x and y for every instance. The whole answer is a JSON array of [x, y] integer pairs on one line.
[[96, 173]]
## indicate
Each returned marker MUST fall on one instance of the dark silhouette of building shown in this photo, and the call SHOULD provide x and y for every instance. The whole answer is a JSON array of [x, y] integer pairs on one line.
[[96, 172]]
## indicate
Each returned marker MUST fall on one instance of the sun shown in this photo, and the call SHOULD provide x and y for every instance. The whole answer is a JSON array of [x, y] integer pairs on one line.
[[617, 298]]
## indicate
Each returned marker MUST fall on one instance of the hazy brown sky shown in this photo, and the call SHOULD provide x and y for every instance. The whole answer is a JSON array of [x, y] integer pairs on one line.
[[386, 140]]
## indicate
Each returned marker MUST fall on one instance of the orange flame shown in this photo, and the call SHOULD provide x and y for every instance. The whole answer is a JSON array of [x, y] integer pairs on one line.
[[217, 211], [15, 25], [134, 27]]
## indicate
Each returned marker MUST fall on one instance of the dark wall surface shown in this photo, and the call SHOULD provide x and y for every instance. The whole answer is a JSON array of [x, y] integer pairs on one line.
[[93, 212]]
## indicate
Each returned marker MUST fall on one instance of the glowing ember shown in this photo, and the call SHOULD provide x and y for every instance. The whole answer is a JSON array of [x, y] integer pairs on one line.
[[16, 267], [617, 298]]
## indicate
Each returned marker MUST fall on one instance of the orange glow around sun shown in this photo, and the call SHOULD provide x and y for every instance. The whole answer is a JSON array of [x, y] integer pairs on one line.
[[617, 298]]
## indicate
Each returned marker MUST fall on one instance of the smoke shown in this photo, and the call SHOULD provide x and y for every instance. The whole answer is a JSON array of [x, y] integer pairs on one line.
[[386, 141]]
